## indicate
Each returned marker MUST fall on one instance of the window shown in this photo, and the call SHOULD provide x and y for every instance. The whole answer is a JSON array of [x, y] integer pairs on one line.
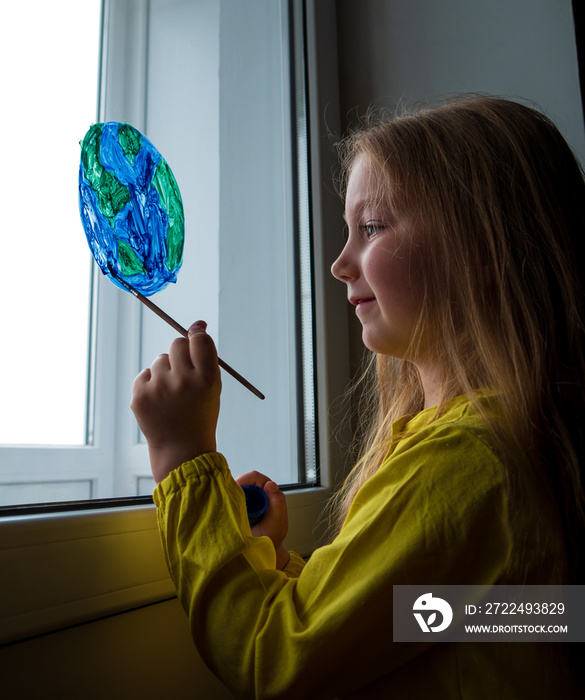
[[219, 88], [83, 563]]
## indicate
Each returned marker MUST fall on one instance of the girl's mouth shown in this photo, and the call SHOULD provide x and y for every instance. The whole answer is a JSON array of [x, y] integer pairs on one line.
[[360, 302]]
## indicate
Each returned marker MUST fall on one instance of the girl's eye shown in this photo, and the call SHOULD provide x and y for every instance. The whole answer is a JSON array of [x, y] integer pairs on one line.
[[372, 228]]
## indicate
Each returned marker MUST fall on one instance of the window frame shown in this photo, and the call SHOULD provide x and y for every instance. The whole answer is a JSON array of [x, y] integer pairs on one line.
[[65, 568]]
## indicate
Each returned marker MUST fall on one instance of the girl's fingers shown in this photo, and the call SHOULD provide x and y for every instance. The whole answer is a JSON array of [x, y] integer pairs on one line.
[[276, 510], [143, 377], [203, 354], [274, 524], [179, 356], [195, 356], [252, 478], [161, 363]]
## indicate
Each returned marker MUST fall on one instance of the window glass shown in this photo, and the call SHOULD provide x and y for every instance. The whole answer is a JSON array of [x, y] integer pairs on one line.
[[217, 87], [49, 55]]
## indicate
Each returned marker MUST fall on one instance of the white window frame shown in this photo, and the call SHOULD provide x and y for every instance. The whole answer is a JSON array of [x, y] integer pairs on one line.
[[62, 569]]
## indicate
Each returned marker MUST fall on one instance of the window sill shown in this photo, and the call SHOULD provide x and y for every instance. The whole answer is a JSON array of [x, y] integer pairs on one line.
[[64, 569]]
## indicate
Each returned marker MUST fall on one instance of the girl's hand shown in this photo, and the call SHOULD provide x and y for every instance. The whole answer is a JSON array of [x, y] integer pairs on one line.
[[275, 523], [176, 402]]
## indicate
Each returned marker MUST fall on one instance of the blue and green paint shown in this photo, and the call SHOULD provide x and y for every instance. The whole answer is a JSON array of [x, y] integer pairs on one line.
[[130, 207]]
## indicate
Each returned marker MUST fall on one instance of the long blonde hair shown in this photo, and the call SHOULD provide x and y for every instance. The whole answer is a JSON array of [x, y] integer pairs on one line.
[[501, 199]]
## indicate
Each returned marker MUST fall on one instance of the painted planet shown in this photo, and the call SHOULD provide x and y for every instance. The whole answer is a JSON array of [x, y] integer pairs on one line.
[[130, 207]]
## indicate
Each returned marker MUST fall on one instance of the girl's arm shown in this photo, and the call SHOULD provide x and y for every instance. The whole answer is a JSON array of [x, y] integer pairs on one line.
[[327, 631], [176, 403]]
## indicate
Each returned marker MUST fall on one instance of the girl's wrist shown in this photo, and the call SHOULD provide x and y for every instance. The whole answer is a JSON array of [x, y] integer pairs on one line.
[[165, 459], [282, 558]]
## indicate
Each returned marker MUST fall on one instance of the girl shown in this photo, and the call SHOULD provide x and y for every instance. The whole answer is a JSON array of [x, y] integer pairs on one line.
[[462, 265]]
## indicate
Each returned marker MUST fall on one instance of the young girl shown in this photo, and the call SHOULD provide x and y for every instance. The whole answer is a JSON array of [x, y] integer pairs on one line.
[[462, 265]]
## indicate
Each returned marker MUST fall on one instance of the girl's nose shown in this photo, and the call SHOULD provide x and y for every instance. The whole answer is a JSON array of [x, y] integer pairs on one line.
[[343, 269]]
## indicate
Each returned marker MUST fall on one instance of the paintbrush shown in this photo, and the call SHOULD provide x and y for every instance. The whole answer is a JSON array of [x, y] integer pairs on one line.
[[183, 331]]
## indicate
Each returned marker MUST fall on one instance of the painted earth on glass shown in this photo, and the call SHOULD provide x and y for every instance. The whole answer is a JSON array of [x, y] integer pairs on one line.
[[130, 207]]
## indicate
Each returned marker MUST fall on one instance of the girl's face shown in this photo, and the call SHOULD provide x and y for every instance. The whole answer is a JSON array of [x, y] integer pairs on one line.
[[380, 264]]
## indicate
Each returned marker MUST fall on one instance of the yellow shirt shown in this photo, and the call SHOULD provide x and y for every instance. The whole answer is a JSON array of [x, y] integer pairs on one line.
[[436, 512]]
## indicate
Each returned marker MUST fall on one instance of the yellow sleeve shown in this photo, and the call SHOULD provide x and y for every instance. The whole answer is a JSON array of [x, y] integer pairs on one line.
[[435, 513], [295, 565]]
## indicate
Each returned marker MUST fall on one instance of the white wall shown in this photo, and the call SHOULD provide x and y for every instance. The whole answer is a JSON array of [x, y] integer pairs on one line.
[[398, 50]]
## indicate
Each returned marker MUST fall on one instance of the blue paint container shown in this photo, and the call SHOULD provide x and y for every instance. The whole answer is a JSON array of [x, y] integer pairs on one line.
[[256, 503]]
